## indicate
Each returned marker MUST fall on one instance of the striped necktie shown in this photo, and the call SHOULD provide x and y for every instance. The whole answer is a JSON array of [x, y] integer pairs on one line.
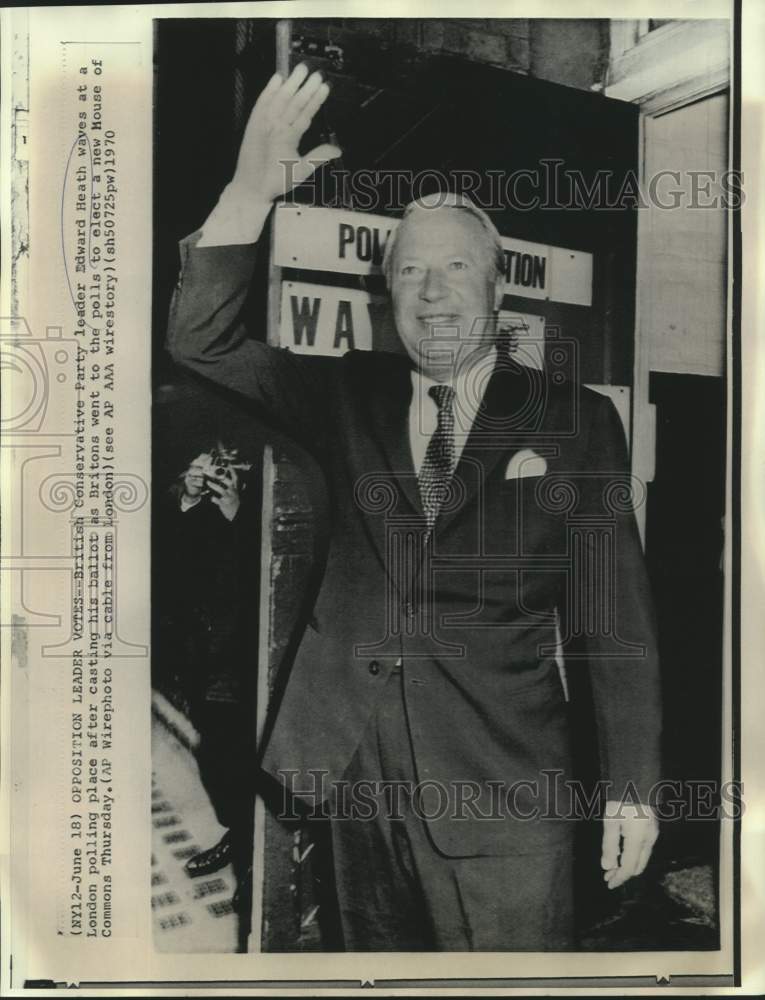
[[438, 464]]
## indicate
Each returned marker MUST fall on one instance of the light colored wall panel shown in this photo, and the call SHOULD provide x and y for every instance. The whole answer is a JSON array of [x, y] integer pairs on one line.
[[683, 289]]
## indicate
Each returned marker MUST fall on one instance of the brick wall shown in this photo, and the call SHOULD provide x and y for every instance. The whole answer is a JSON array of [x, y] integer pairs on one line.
[[291, 911], [571, 52]]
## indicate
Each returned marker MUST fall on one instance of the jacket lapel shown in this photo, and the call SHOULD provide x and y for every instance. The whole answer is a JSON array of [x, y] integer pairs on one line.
[[386, 402], [380, 460], [510, 412]]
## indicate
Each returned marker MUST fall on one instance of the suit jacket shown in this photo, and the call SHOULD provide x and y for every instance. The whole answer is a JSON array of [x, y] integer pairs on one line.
[[471, 613]]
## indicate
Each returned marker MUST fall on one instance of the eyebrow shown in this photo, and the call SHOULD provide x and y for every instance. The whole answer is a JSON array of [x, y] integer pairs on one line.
[[445, 256]]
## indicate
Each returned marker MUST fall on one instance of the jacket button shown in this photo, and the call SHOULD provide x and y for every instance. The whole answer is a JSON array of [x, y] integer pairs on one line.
[[374, 668]]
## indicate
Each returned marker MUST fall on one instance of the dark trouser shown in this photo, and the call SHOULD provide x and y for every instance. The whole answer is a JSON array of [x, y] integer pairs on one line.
[[225, 760], [396, 892]]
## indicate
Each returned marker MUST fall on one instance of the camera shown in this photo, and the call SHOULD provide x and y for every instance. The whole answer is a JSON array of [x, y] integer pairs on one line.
[[221, 460]]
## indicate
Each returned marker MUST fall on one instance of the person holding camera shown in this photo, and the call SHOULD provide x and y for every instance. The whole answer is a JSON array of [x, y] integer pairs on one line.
[[207, 590]]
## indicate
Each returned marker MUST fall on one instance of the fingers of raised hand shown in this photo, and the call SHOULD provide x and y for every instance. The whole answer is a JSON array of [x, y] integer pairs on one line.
[[283, 96], [311, 161], [320, 154], [305, 118], [267, 94], [274, 107], [306, 102]]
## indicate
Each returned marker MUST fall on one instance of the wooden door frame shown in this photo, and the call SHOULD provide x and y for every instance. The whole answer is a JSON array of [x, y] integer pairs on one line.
[[667, 69]]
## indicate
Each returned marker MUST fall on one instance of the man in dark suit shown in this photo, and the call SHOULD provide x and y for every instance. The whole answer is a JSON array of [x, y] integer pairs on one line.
[[480, 524]]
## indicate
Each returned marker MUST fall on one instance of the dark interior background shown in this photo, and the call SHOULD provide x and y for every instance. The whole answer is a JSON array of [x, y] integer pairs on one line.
[[394, 107]]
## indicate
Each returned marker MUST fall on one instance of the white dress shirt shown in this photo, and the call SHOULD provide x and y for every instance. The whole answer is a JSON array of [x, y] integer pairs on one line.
[[468, 384]]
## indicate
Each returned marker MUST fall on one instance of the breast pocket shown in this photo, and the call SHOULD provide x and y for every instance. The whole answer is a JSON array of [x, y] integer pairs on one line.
[[521, 518]]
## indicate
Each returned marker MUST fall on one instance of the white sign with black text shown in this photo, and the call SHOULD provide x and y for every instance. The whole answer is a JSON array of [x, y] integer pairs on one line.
[[323, 319], [344, 242]]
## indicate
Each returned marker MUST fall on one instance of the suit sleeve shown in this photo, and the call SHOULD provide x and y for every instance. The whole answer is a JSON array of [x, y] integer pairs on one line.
[[207, 334], [620, 642]]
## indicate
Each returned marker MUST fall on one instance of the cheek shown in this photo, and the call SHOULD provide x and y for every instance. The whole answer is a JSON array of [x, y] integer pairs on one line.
[[403, 303], [486, 290]]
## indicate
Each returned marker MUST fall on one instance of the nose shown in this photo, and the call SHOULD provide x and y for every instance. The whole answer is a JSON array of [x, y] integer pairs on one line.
[[433, 285]]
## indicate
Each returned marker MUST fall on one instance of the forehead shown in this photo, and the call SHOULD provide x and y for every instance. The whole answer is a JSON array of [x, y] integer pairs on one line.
[[441, 229]]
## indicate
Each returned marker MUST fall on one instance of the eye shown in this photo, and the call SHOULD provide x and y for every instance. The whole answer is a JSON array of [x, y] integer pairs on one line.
[[457, 265], [409, 269]]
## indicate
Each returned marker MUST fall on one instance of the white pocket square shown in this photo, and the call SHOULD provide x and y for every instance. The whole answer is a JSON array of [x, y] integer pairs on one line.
[[525, 463]]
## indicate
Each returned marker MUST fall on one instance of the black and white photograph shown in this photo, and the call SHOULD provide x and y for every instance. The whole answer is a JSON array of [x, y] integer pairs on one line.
[[383, 497], [441, 403]]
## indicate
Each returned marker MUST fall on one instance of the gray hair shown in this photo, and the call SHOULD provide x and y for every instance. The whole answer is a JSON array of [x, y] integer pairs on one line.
[[449, 199]]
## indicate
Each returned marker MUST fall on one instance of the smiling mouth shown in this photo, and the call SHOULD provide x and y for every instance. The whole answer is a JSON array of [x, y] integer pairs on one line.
[[439, 319]]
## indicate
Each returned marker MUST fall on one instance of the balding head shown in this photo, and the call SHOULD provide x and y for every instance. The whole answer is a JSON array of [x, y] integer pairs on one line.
[[438, 201], [444, 267]]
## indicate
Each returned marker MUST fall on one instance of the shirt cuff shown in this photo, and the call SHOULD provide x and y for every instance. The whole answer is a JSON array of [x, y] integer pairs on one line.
[[234, 221]]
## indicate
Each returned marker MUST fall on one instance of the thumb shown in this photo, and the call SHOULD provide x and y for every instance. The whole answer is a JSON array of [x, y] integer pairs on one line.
[[315, 159], [610, 851]]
